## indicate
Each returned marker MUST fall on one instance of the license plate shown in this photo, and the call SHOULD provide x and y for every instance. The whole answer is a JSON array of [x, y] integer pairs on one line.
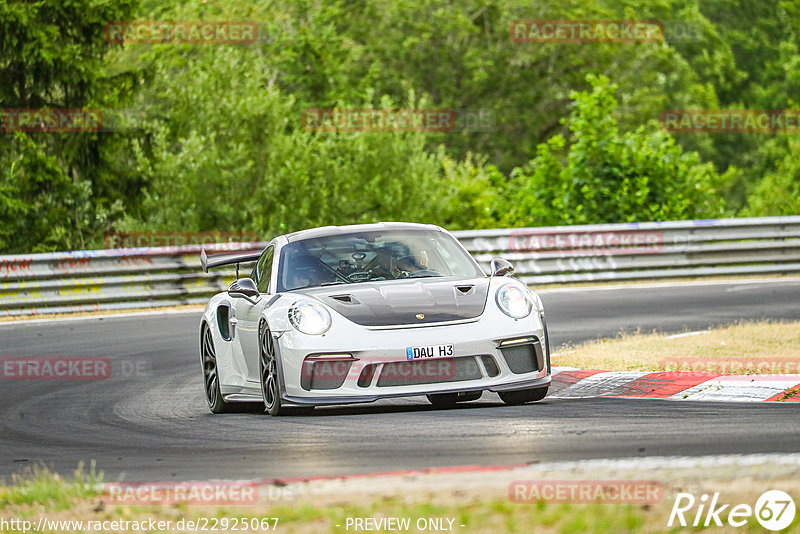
[[431, 351]]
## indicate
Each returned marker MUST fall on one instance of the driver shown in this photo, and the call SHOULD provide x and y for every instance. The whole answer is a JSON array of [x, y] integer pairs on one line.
[[410, 263]]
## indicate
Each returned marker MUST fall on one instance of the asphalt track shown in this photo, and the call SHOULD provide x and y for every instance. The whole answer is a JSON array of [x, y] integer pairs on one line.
[[151, 423]]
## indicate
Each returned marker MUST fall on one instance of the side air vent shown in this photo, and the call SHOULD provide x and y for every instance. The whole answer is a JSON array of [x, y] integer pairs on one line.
[[490, 365], [366, 375], [223, 322]]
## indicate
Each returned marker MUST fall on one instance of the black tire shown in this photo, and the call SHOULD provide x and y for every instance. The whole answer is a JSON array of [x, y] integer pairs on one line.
[[208, 360], [444, 400], [268, 371], [521, 396]]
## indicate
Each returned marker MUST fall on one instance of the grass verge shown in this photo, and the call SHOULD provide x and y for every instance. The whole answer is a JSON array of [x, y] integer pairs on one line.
[[42, 493], [468, 503], [763, 347]]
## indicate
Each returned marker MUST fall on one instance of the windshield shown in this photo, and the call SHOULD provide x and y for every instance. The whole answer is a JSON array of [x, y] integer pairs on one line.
[[371, 257]]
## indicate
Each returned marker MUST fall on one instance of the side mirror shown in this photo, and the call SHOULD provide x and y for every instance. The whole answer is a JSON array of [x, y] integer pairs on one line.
[[246, 289], [501, 267]]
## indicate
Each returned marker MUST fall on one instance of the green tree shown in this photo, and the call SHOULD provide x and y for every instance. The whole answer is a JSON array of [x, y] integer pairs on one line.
[[209, 137], [459, 54], [219, 156], [749, 51], [55, 189], [778, 193], [604, 176]]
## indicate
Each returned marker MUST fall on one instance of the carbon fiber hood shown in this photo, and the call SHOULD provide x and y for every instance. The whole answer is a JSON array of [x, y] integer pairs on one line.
[[402, 302]]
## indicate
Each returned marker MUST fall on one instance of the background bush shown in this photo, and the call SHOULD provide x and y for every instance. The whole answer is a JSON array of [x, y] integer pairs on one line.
[[209, 137]]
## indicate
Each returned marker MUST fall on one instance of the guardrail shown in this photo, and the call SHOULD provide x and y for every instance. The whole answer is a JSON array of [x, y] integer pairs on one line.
[[64, 282]]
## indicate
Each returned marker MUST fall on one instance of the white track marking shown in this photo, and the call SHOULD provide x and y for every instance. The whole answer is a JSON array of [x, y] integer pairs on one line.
[[753, 388], [688, 334]]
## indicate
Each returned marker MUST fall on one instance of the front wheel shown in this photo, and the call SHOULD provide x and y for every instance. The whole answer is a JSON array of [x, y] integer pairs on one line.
[[521, 396], [268, 371]]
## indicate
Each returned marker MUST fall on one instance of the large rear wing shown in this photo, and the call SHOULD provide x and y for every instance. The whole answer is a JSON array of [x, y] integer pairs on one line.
[[219, 260]]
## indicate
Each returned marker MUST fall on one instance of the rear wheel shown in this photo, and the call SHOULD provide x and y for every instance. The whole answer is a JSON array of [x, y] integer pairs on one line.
[[521, 396], [208, 357], [443, 400]]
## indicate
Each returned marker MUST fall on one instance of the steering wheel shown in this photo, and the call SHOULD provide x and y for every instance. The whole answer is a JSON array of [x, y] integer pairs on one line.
[[409, 260]]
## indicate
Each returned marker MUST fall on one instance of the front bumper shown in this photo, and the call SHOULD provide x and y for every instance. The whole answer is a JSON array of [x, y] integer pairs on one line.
[[352, 349]]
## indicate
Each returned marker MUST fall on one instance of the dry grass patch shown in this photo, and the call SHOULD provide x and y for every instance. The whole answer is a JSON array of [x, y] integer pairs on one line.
[[763, 347]]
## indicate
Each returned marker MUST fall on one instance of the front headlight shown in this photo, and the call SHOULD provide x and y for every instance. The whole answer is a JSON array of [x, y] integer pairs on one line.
[[310, 317], [514, 301]]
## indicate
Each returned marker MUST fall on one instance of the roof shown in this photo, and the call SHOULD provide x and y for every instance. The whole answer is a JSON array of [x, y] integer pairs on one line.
[[326, 231]]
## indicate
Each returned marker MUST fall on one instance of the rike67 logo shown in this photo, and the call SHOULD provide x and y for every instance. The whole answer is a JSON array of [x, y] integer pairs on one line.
[[774, 510]]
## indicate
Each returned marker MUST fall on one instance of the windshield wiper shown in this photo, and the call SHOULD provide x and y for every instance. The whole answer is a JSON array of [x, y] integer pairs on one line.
[[312, 286]]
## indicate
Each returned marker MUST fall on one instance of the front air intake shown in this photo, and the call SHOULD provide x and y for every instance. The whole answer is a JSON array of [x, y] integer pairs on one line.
[[524, 357], [324, 373]]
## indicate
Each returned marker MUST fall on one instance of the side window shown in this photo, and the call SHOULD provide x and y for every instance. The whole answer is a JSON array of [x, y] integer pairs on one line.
[[265, 270]]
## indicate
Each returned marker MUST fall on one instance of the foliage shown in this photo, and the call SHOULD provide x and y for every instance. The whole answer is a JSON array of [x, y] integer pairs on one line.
[[209, 137], [244, 162], [778, 193], [608, 176], [55, 188]]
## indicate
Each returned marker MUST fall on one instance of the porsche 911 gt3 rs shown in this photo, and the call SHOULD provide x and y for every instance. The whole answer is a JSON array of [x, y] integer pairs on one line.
[[351, 314]]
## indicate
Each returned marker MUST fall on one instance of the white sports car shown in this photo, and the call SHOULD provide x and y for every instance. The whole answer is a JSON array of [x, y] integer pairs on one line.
[[350, 314]]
